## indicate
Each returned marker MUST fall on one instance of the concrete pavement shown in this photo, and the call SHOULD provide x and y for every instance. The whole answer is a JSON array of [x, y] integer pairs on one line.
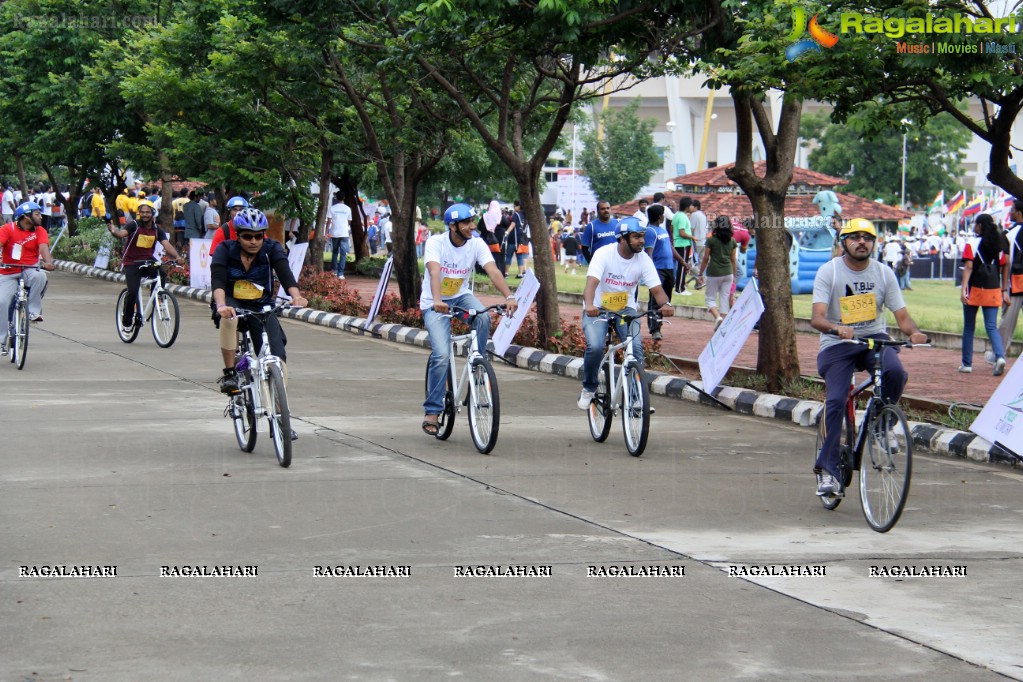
[[117, 455]]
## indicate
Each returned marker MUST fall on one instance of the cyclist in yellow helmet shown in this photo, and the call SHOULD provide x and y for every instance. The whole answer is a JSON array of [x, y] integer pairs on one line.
[[849, 297]]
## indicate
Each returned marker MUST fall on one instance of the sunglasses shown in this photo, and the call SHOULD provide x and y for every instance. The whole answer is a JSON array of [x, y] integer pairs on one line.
[[860, 237], [251, 236]]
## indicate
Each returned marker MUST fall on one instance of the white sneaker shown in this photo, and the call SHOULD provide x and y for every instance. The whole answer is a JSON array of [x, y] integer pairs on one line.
[[829, 486], [685, 293], [999, 367], [585, 398], [989, 357], [717, 323], [965, 369]]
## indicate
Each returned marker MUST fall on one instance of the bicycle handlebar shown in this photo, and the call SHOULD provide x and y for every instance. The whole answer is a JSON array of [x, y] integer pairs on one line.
[[882, 343], [652, 314], [469, 313], [265, 312]]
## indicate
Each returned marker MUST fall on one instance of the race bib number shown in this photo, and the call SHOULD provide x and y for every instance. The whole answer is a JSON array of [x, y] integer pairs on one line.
[[861, 308], [615, 300], [450, 286], [244, 290], [16, 252], [146, 241]]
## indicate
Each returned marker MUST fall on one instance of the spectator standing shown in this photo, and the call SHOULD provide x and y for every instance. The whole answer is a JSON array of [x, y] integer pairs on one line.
[[600, 232], [373, 236], [195, 224], [983, 264], [1012, 277], [718, 262], [98, 205], [698, 227], [570, 243], [892, 252], [682, 242], [9, 204], [658, 246], [669, 215], [517, 239], [178, 206], [423, 233], [641, 215], [902, 270], [211, 218], [339, 219]]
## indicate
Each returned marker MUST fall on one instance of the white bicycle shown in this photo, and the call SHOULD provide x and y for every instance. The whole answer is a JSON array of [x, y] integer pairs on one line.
[[161, 308]]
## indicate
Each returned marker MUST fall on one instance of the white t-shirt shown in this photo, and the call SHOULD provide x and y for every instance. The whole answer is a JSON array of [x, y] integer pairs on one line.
[[893, 251], [340, 217], [456, 266], [211, 219], [8, 200], [619, 278]]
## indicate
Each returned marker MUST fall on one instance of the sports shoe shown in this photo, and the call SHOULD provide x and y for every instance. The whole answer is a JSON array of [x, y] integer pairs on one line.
[[341, 277], [700, 284], [35, 317], [229, 382], [989, 357], [685, 293], [717, 323], [294, 436], [965, 369], [656, 336], [585, 398], [999, 367], [829, 486]]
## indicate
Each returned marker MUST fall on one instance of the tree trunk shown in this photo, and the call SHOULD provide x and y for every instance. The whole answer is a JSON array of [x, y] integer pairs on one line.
[[403, 236], [348, 184], [777, 356], [548, 319], [1000, 172], [22, 180], [315, 255]]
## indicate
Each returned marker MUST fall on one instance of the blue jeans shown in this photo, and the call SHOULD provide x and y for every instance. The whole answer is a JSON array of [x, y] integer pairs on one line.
[[339, 248], [595, 330], [439, 329], [970, 326], [836, 365]]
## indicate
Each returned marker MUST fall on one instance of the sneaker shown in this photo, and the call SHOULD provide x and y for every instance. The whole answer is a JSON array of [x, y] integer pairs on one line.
[[585, 398], [829, 486], [717, 323], [229, 382], [35, 317], [656, 336], [700, 285], [999, 367], [341, 277], [965, 369], [685, 293], [294, 436], [989, 357]]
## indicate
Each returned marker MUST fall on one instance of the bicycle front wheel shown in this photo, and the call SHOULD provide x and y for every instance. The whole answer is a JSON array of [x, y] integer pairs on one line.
[[126, 335], [165, 319], [279, 416], [244, 415], [20, 349], [635, 409], [599, 415], [484, 406], [885, 468]]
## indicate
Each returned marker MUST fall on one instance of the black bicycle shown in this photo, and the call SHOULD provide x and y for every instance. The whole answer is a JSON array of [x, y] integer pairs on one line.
[[17, 326], [882, 448]]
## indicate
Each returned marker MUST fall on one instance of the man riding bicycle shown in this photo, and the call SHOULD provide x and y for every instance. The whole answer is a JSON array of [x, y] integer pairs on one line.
[[242, 274], [849, 295], [613, 278], [450, 259], [227, 231], [21, 244], [143, 235]]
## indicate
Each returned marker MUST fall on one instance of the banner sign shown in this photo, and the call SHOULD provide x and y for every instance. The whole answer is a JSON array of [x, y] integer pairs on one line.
[[509, 326], [296, 259], [199, 263], [1001, 420], [728, 340], [378, 296]]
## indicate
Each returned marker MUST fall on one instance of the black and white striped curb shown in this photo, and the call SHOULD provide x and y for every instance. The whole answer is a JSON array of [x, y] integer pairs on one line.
[[937, 439]]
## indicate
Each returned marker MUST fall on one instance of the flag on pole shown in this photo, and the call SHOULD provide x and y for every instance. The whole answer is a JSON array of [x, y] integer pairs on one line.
[[957, 203], [975, 206], [939, 202]]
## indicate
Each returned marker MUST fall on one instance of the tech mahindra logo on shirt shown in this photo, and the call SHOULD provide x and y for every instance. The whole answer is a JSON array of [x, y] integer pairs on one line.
[[615, 280]]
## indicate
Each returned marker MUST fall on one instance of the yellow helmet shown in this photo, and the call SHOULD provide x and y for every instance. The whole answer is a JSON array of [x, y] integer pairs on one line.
[[858, 225], [147, 202]]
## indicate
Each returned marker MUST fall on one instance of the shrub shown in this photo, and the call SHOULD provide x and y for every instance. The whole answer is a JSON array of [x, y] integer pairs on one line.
[[326, 292], [391, 313], [90, 235]]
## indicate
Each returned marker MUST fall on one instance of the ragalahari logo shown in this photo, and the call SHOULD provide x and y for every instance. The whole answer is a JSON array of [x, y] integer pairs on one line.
[[818, 36]]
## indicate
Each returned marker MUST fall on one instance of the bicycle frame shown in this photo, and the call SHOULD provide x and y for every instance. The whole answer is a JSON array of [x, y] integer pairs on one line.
[[147, 310], [872, 382], [616, 379], [459, 380], [261, 362]]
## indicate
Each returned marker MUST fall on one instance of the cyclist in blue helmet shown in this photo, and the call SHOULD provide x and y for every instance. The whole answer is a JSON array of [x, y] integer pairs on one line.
[[612, 281], [450, 258], [22, 244], [242, 274], [227, 231]]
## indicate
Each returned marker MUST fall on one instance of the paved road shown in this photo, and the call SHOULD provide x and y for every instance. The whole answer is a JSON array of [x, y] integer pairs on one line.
[[117, 455]]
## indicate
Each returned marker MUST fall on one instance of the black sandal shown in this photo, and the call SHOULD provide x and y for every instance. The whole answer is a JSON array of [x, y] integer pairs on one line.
[[431, 427]]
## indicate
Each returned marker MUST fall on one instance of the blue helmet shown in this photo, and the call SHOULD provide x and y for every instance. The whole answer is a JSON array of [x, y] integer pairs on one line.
[[237, 202], [26, 208], [627, 226], [456, 213], [250, 219]]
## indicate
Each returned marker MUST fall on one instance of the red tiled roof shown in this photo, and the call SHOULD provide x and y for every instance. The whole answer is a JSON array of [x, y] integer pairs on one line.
[[735, 204], [715, 177]]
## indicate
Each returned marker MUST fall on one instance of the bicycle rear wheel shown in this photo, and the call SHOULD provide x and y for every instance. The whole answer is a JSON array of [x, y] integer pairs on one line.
[[20, 348], [600, 415], [845, 448], [244, 415], [635, 409], [484, 406], [125, 335], [279, 416], [886, 468], [165, 319], [446, 419]]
